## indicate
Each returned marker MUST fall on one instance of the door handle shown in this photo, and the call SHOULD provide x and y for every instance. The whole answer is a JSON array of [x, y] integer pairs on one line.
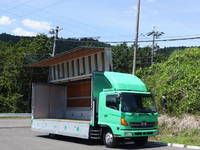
[[105, 115]]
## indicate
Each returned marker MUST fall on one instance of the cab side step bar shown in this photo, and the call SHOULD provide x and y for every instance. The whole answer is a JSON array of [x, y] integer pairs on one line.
[[95, 133]]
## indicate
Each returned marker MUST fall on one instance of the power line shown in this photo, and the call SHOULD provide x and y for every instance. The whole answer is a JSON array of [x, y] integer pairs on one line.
[[181, 36], [158, 40], [140, 41], [47, 6], [109, 42], [35, 11], [130, 41], [174, 39], [18, 4], [85, 25], [77, 22], [42, 9], [31, 13]]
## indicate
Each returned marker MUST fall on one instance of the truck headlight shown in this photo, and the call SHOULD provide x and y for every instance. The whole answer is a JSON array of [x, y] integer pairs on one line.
[[128, 134]]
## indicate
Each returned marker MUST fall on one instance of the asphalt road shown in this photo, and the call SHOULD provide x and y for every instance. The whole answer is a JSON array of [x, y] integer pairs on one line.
[[15, 134]]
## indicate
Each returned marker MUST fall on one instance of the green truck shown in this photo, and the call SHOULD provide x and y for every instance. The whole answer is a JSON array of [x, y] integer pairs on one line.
[[106, 106]]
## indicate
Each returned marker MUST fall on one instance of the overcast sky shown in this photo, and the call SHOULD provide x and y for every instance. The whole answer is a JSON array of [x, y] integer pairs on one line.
[[112, 20]]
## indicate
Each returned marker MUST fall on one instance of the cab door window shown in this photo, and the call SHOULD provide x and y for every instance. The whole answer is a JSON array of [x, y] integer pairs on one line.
[[112, 102]]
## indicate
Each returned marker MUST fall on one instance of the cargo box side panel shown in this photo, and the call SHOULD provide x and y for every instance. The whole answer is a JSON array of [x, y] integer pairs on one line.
[[57, 106], [48, 101], [40, 103], [78, 129]]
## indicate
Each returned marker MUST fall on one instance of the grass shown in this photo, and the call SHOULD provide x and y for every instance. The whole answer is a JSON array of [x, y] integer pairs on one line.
[[187, 137]]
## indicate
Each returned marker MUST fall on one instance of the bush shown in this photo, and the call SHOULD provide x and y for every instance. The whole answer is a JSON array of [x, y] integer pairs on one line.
[[178, 79], [9, 103]]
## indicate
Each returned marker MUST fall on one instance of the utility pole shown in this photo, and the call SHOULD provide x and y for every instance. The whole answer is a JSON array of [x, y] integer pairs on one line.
[[55, 35], [136, 37], [155, 34]]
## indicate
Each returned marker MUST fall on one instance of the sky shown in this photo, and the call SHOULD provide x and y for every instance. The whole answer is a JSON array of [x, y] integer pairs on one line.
[[110, 20]]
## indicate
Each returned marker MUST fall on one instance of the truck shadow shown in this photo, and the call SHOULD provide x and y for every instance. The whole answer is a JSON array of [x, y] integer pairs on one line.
[[72, 139], [148, 145], [128, 145]]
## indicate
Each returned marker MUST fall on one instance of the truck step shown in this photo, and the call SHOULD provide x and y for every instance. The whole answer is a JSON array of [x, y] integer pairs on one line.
[[95, 131], [95, 134], [96, 138]]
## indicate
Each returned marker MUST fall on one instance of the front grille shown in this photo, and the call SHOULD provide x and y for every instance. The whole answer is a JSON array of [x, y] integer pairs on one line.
[[142, 124], [143, 133]]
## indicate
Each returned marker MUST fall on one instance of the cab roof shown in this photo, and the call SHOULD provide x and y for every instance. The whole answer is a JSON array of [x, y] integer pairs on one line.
[[125, 82]]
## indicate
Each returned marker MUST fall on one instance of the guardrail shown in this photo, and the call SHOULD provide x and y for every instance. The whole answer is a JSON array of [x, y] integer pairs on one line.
[[3, 115]]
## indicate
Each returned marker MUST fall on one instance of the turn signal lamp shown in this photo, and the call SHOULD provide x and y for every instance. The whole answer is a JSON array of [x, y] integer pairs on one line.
[[124, 122]]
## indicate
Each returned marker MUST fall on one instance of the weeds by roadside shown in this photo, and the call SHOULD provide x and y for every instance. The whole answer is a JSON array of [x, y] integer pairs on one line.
[[180, 130]]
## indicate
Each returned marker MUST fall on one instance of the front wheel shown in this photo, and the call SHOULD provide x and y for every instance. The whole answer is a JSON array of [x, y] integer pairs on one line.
[[140, 141], [109, 139]]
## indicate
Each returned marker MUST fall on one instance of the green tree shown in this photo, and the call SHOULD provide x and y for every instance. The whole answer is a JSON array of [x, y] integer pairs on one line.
[[16, 74], [178, 79], [122, 58]]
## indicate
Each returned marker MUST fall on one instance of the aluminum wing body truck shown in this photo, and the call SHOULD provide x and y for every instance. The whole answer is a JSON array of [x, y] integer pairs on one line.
[[105, 105]]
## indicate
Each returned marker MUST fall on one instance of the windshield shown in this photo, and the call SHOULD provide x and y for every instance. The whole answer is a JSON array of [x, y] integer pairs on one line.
[[140, 103]]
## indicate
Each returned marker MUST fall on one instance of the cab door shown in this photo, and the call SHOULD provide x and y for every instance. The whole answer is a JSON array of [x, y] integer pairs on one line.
[[109, 110]]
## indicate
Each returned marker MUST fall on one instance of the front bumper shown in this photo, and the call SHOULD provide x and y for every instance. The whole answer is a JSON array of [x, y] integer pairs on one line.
[[136, 133]]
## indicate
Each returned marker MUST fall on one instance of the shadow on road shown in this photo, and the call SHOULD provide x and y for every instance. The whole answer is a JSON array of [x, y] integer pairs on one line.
[[148, 145], [72, 139], [128, 145]]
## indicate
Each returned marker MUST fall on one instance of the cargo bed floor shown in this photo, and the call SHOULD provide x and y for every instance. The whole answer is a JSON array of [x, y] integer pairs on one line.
[[68, 120]]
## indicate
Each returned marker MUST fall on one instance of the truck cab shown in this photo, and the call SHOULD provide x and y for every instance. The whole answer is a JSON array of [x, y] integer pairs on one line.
[[126, 110], [128, 115]]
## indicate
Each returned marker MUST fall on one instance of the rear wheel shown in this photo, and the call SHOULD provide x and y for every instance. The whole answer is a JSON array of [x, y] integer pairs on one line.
[[109, 139], [140, 141]]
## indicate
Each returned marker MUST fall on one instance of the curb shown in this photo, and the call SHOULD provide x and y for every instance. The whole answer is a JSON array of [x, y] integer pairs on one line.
[[4, 115], [180, 145]]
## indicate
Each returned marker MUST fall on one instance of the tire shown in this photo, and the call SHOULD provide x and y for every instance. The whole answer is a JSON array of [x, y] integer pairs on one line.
[[140, 141], [109, 140]]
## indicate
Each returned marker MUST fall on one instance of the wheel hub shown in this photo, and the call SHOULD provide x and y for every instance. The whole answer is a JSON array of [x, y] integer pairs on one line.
[[109, 138]]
